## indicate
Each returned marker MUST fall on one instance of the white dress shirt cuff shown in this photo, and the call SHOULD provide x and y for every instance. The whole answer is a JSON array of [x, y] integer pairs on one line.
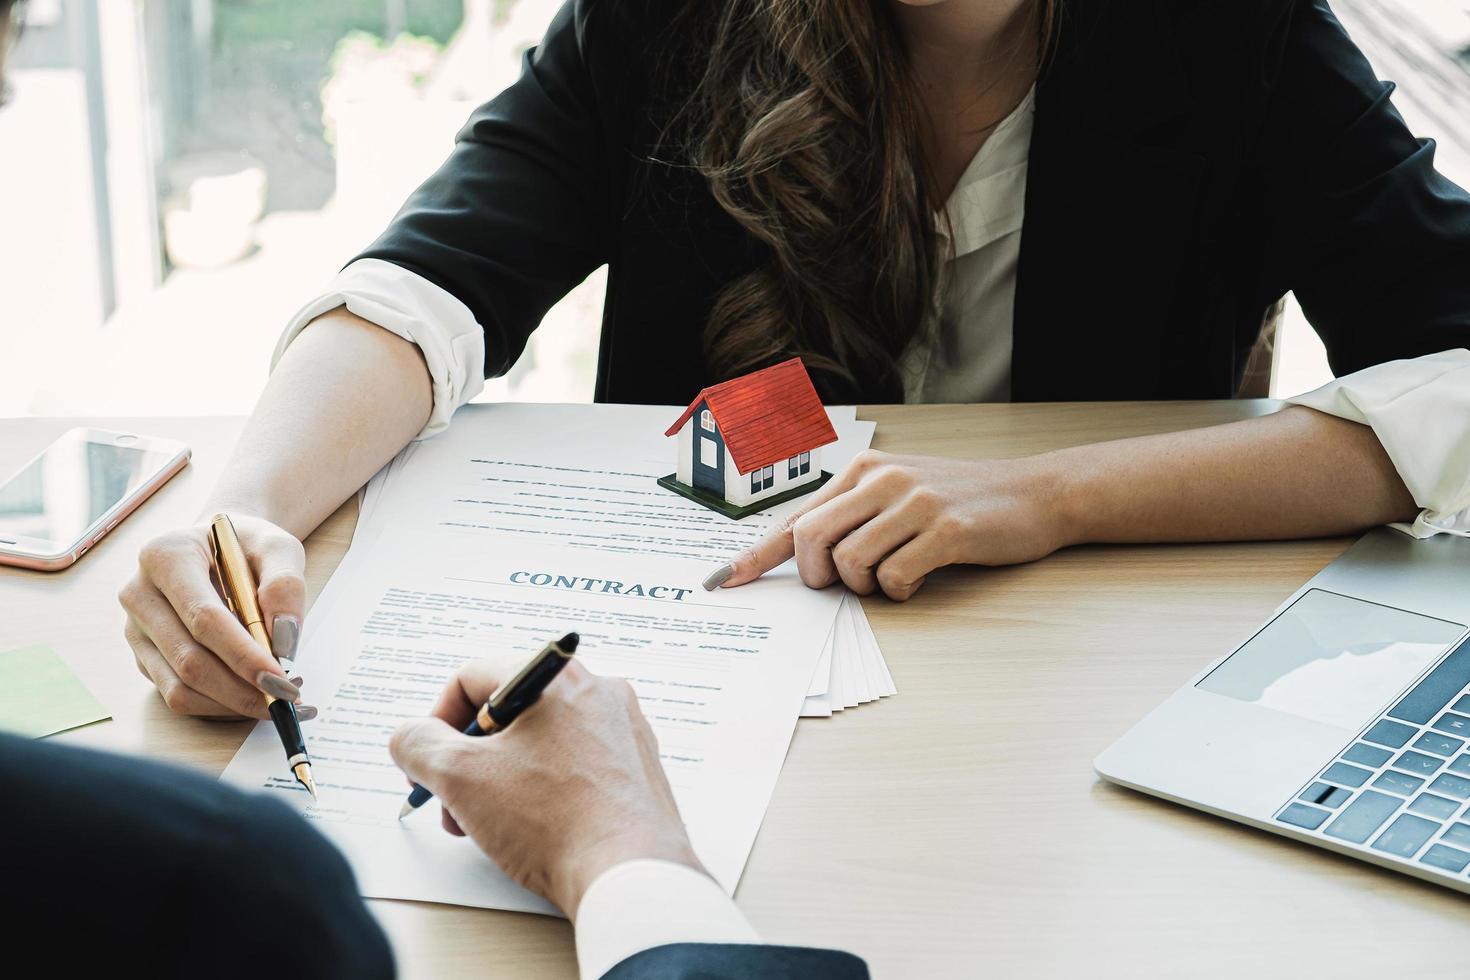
[[642, 904], [415, 309], [1420, 410]]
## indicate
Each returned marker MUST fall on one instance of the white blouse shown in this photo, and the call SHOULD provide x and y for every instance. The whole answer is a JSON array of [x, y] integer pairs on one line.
[[962, 353]]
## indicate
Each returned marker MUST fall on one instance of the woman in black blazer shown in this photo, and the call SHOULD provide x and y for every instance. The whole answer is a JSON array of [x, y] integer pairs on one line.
[[1189, 163], [761, 178]]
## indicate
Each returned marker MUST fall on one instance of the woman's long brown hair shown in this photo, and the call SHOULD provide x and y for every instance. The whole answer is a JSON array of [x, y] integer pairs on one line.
[[806, 125]]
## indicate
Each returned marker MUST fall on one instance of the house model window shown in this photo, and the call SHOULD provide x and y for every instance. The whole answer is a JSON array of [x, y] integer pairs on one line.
[[757, 442]]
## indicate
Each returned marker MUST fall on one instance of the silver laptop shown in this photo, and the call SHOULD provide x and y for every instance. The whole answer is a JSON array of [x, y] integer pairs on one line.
[[1344, 721]]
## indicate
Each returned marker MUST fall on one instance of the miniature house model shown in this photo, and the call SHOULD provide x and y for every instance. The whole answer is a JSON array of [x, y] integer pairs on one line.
[[752, 442]]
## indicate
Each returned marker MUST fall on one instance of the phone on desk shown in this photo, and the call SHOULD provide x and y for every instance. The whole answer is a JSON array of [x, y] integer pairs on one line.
[[62, 502]]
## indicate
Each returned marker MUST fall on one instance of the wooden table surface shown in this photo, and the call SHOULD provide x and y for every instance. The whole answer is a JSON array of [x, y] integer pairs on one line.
[[954, 830]]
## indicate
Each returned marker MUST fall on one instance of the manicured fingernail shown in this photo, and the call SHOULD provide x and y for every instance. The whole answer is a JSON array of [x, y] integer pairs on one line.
[[305, 714], [717, 577], [277, 687], [285, 632], [298, 680]]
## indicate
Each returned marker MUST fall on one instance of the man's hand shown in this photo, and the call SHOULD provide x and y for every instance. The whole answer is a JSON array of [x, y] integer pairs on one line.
[[571, 789]]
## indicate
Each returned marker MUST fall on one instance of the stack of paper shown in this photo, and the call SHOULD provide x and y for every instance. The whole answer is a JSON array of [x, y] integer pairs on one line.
[[523, 522]]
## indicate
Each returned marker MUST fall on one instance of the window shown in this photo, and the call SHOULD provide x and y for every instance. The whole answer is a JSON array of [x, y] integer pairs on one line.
[[707, 453], [798, 465], [762, 479], [335, 111], [806, 462], [706, 421]]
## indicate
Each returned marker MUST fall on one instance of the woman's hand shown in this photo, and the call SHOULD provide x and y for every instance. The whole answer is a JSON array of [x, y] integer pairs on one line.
[[887, 521], [188, 643], [571, 789]]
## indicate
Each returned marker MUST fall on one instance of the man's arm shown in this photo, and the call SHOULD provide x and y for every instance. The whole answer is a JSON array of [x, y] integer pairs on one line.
[[572, 802], [119, 865]]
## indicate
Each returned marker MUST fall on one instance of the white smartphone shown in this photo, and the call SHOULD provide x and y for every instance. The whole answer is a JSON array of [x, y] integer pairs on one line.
[[79, 488]]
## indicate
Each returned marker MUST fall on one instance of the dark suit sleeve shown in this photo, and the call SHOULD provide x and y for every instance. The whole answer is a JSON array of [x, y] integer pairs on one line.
[[518, 213], [711, 961], [137, 869], [1356, 220]]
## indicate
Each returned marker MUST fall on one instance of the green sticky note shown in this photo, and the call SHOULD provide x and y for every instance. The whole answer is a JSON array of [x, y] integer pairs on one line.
[[39, 695]]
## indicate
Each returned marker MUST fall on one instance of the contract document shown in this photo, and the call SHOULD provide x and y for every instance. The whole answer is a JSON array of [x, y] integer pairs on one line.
[[721, 677], [583, 475]]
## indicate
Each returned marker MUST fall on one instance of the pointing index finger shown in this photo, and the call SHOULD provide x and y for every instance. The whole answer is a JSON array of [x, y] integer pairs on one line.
[[779, 544]]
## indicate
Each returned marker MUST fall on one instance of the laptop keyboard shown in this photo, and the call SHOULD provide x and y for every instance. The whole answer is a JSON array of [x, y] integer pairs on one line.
[[1403, 787]]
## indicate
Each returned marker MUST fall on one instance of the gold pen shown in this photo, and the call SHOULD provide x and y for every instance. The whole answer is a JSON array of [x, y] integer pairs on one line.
[[238, 587]]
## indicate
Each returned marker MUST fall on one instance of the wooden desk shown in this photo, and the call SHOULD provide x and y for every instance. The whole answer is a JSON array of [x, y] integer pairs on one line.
[[955, 830]]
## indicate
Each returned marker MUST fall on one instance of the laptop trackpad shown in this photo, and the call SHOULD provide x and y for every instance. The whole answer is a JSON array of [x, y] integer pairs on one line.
[[1332, 658]]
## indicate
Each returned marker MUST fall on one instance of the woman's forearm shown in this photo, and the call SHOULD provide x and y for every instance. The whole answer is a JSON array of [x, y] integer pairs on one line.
[[1297, 473], [344, 399]]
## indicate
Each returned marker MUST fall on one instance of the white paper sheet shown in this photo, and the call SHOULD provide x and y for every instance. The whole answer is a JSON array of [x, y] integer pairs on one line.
[[585, 474], [720, 676]]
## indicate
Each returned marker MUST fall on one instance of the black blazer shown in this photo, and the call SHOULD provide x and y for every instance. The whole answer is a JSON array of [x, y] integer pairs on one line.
[[718, 961], [121, 867], [1191, 162]]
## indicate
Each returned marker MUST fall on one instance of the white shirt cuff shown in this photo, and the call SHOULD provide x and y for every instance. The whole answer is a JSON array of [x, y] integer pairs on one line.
[[642, 904], [415, 309], [1420, 410]]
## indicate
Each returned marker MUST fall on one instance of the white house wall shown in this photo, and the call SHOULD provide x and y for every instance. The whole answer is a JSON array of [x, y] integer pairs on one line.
[[737, 485], [684, 455]]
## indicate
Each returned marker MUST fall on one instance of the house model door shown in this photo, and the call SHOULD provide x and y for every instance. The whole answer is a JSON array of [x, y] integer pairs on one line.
[[709, 454]]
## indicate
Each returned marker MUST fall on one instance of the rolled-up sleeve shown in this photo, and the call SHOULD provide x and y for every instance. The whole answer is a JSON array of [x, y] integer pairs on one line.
[[516, 216], [420, 312], [1420, 410]]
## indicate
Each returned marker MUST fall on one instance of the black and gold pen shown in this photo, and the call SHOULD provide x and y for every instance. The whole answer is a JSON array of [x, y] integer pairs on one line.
[[238, 587], [507, 703]]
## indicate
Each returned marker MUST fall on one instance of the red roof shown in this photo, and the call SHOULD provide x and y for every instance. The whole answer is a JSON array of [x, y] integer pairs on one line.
[[767, 415]]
